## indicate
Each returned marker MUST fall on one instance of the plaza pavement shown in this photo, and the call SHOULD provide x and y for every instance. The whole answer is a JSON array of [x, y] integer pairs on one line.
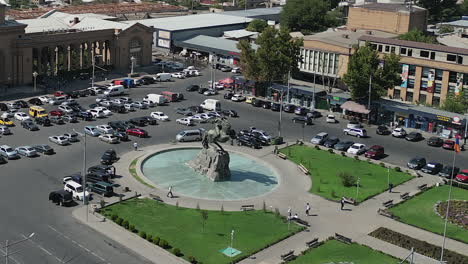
[[326, 220]]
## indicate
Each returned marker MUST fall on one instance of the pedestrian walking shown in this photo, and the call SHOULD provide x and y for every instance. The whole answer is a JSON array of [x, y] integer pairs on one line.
[[289, 212], [342, 202], [169, 194], [307, 209], [135, 146], [390, 187]]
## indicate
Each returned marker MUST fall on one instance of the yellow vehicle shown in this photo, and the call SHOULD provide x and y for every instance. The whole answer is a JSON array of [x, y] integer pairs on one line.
[[37, 111], [249, 99], [6, 122]]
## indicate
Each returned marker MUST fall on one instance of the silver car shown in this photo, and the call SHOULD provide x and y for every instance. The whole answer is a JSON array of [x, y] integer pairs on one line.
[[4, 130], [8, 152], [104, 129], [109, 138], [92, 131], [129, 107], [26, 151], [139, 105], [59, 140], [72, 137]]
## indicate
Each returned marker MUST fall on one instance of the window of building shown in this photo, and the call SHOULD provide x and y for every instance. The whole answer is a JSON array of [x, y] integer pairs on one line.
[[460, 60], [403, 51], [387, 48], [451, 57], [380, 48], [412, 70], [410, 52], [452, 77], [465, 79], [409, 96], [432, 55], [423, 85], [392, 49], [396, 94], [411, 83], [374, 46], [435, 101], [425, 72], [451, 89], [422, 98], [438, 88], [424, 53], [439, 74]]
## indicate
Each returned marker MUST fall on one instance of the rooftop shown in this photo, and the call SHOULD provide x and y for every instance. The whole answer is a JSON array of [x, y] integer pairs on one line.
[[337, 37], [240, 33], [48, 24], [255, 12], [453, 40], [390, 7], [210, 44], [191, 21], [457, 23], [414, 44]]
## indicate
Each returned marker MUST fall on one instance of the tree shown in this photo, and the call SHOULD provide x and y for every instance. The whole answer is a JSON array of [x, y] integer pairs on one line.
[[363, 64], [306, 15], [418, 36], [446, 29], [248, 60], [463, 7], [257, 25], [455, 103], [204, 215], [439, 10]]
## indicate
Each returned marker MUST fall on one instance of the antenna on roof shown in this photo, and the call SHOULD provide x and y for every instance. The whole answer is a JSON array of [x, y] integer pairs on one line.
[[409, 5]]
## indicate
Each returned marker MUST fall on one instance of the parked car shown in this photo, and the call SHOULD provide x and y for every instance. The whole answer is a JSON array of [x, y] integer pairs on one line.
[[29, 125], [3, 107], [230, 113], [237, 98], [8, 152], [414, 136], [4, 130], [357, 149], [63, 109], [275, 107], [245, 140], [85, 116], [357, 132], [228, 95], [185, 121], [103, 169], [449, 144], [6, 122], [70, 118], [320, 138], [313, 114], [343, 145], [354, 124], [449, 172], [92, 131], [383, 130], [20, 116], [138, 121], [109, 157], [301, 110], [258, 102], [435, 142], [399, 132], [44, 99], [59, 140], [226, 68], [26, 151], [61, 197], [330, 142], [416, 163], [196, 109], [109, 138], [44, 149], [103, 188], [104, 129], [331, 119], [462, 176], [35, 101], [192, 88], [22, 104], [43, 121], [375, 152], [56, 120], [159, 116], [122, 136], [72, 137], [76, 190], [302, 120], [289, 108], [432, 168], [138, 132], [150, 120]]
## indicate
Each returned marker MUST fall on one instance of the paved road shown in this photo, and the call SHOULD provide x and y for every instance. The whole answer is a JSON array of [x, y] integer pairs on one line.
[[59, 238]]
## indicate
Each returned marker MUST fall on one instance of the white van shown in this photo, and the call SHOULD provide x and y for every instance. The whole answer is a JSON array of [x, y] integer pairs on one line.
[[114, 90], [211, 104], [189, 135], [155, 99], [163, 77]]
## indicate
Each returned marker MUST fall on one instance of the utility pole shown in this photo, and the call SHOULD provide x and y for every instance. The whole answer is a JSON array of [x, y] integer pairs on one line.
[[85, 199], [370, 95]]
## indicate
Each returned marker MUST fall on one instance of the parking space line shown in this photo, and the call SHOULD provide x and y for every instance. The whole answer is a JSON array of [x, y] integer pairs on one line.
[[11, 257]]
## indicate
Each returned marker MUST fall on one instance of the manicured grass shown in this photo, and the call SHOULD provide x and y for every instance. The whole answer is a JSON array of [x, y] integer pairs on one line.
[[336, 252], [419, 211], [133, 172], [182, 228], [324, 168]]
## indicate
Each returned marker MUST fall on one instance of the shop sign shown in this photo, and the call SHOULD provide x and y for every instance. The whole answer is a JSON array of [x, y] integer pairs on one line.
[[443, 118], [336, 98], [456, 120]]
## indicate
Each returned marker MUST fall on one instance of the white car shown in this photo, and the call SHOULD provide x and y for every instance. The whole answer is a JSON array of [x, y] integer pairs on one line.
[[179, 75], [261, 133], [126, 99], [44, 99], [106, 103], [331, 119], [65, 108], [357, 149], [215, 114], [354, 124], [20, 116], [59, 140], [92, 131], [102, 98], [118, 102], [148, 103], [206, 116], [105, 129], [129, 107], [76, 190], [236, 70], [106, 111], [96, 113], [139, 105], [12, 105], [109, 138], [69, 102], [9, 113], [399, 132], [238, 98], [57, 100], [198, 118], [210, 92], [26, 151], [185, 121], [72, 137], [159, 116], [8, 152]]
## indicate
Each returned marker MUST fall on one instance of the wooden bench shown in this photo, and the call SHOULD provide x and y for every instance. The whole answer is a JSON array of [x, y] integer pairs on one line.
[[313, 243], [155, 197], [281, 155], [386, 213], [288, 256], [303, 169], [247, 207], [343, 238], [405, 196], [349, 200], [422, 187], [302, 222], [388, 203]]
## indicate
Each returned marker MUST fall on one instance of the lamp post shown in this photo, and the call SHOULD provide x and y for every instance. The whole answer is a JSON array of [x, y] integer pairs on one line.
[[132, 59], [94, 66], [35, 76], [85, 199], [8, 245]]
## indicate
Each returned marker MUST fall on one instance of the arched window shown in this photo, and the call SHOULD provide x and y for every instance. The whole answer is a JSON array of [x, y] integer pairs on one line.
[[135, 50]]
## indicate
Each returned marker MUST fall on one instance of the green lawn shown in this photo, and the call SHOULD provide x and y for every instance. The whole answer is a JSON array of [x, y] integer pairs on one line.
[[324, 168], [336, 252], [182, 228], [419, 211]]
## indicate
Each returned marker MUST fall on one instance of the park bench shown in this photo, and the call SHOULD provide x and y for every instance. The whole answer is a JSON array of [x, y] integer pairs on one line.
[[281, 155], [155, 197], [343, 238], [388, 203], [349, 200], [386, 213], [405, 196], [422, 187], [288, 256], [247, 207], [313, 243], [303, 169], [302, 222]]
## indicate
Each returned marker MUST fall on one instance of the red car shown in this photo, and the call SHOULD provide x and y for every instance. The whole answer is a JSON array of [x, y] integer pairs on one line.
[[56, 113], [375, 152], [449, 144], [462, 176], [138, 132], [59, 93]]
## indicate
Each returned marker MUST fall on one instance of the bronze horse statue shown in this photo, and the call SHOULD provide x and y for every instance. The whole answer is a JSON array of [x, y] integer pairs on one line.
[[222, 132]]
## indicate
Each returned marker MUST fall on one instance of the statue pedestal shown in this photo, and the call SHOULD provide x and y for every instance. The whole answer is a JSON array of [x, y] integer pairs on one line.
[[212, 163]]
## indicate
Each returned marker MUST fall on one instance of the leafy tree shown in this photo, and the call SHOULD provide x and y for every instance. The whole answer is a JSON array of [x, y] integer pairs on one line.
[[446, 29], [455, 103], [248, 60], [363, 64], [306, 15], [439, 10], [257, 25], [418, 36], [463, 7]]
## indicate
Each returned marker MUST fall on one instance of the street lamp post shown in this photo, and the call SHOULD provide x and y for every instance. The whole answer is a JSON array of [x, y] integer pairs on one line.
[[35, 76], [94, 66], [132, 59], [8, 245], [85, 199]]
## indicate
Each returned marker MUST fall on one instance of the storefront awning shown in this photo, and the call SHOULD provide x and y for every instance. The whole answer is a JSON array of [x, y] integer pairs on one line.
[[355, 107]]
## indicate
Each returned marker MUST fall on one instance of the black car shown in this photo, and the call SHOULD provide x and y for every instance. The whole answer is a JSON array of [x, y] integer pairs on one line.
[[118, 126], [184, 111], [108, 169], [97, 177], [259, 138], [77, 108], [117, 108], [109, 157], [302, 120], [44, 149], [150, 120], [414, 136], [289, 108], [147, 80], [331, 142], [35, 101], [228, 95], [449, 172], [314, 114], [22, 104], [138, 121], [417, 163], [121, 135], [192, 88], [74, 177], [343, 145], [43, 121], [275, 107], [103, 188], [61, 197], [301, 111], [383, 130], [196, 109], [230, 113], [435, 142], [4, 107], [258, 103], [73, 94], [84, 92], [85, 116], [56, 120], [29, 125], [266, 105], [245, 140], [202, 90], [432, 168], [180, 96]]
